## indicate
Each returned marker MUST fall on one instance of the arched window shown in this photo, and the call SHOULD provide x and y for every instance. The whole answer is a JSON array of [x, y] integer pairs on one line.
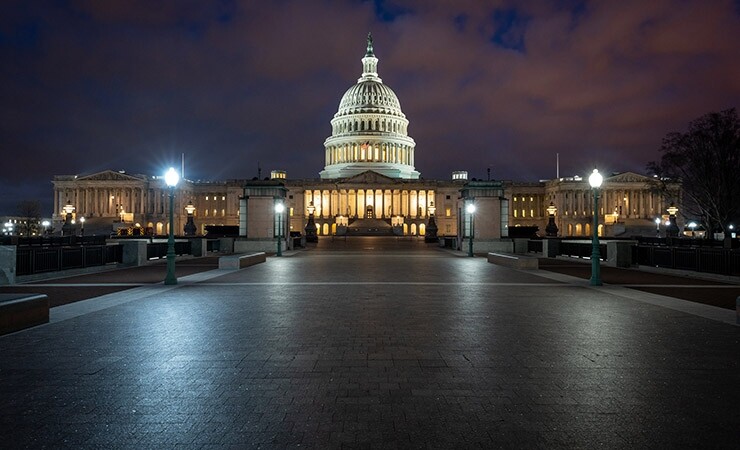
[[422, 229], [326, 229], [413, 229]]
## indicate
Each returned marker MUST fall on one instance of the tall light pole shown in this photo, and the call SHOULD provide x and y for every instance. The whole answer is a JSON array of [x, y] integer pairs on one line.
[[171, 178], [279, 208], [82, 226], [470, 209], [595, 181], [657, 226]]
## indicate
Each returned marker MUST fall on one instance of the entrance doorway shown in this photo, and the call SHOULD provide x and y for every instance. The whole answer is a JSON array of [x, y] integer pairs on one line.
[[369, 212]]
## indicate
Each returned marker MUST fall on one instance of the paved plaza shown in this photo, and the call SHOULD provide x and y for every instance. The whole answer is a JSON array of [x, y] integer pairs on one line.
[[370, 343]]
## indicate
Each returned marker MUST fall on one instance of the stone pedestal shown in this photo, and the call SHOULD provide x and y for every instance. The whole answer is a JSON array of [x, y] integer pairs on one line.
[[134, 252], [550, 248], [7, 264], [619, 253], [198, 247]]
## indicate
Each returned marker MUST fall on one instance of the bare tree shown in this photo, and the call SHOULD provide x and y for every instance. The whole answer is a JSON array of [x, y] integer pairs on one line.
[[29, 211], [706, 159]]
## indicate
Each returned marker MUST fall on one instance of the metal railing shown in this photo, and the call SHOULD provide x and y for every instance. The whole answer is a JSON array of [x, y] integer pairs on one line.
[[534, 246], [31, 260], [159, 249], [700, 259], [581, 249]]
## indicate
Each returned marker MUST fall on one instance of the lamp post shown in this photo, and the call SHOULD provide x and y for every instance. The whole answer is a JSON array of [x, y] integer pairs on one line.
[[311, 225], [279, 208], [470, 209], [657, 226], [82, 226], [67, 227], [672, 229], [171, 178], [46, 224], [430, 234], [551, 229], [189, 227], [595, 180]]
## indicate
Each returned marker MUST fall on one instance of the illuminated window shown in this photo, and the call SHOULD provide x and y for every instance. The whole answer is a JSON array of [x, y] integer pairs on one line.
[[291, 212], [206, 198], [223, 213], [205, 211], [223, 197], [448, 212], [524, 213], [515, 213], [214, 212], [531, 213]]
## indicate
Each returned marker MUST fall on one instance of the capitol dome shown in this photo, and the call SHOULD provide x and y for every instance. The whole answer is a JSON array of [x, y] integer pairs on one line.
[[369, 130]]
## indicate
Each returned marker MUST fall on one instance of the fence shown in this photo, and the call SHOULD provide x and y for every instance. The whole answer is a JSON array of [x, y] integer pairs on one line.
[[159, 249], [700, 259], [581, 249], [32, 259]]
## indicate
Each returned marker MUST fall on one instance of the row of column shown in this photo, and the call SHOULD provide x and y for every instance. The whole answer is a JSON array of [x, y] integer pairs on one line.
[[387, 153], [624, 203], [376, 203], [101, 201]]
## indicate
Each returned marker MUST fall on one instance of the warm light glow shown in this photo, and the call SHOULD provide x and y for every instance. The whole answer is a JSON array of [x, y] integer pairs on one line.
[[189, 208], [470, 208], [672, 210], [311, 208], [595, 179], [68, 208], [432, 208], [171, 177], [552, 209], [279, 208]]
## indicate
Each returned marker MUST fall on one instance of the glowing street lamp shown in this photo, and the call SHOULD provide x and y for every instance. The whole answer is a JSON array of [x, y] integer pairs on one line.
[[46, 225], [171, 178], [672, 229], [68, 209], [82, 226], [430, 234], [595, 180], [190, 228], [657, 226], [551, 229], [470, 209], [310, 229], [279, 209]]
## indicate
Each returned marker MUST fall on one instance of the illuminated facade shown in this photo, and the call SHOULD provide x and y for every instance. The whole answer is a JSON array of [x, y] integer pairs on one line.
[[369, 185]]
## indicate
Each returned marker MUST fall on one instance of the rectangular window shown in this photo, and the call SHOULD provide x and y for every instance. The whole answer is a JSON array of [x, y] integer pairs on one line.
[[291, 211], [223, 197], [448, 211]]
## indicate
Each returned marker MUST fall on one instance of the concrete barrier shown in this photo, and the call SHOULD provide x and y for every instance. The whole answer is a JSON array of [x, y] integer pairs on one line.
[[514, 261], [241, 261], [20, 311]]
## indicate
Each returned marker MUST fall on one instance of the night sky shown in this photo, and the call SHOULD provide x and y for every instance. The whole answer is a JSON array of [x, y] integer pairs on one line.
[[130, 85]]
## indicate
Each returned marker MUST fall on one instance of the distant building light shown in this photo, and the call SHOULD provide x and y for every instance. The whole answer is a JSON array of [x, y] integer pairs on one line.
[[460, 175]]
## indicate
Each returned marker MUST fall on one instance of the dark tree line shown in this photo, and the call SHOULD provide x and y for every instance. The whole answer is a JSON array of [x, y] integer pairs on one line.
[[706, 160]]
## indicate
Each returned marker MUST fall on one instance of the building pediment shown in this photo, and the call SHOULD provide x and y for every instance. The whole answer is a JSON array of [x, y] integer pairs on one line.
[[628, 177], [369, 177], [109, 175]]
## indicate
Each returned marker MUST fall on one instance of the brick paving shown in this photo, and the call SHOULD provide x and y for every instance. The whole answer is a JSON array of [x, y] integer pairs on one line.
[[705, 291], [372, 344]]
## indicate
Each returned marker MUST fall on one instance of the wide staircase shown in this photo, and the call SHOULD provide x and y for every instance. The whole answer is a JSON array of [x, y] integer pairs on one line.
[[370, 227]]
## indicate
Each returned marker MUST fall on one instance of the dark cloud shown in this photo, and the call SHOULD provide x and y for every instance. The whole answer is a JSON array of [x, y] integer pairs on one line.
[[88, 85]]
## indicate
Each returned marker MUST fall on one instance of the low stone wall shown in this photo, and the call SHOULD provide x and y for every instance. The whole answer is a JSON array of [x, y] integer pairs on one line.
[[514, 261], [20, 311], [241, 261], [257, 245]]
